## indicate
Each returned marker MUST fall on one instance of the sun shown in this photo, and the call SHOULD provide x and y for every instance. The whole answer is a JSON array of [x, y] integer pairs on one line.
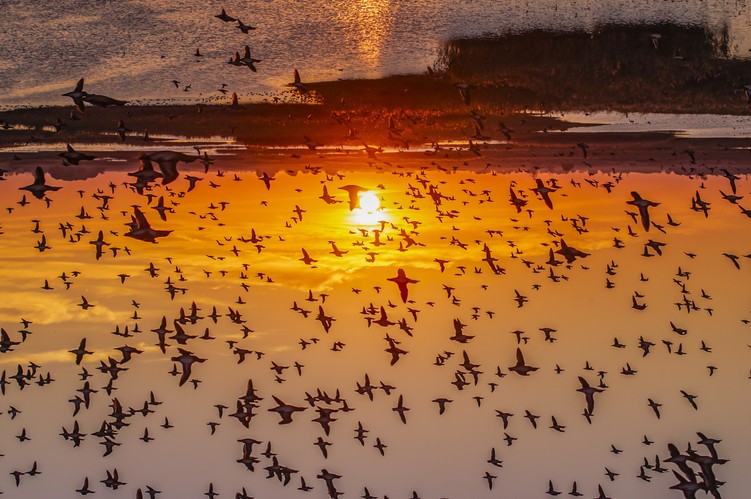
[[368, 210], [369, 202]]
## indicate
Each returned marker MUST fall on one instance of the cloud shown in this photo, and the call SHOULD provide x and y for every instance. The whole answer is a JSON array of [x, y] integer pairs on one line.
[[51, 310], [64, 356]]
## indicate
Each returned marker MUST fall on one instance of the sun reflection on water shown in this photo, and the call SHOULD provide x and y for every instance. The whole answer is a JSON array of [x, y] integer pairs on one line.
[[373, 22]]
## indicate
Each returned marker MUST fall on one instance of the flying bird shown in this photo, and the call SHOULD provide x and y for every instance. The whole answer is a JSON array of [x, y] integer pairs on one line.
[[401, 280], [643, 205]]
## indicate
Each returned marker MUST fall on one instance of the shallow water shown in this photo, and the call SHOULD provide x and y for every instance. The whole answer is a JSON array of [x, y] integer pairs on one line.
[[133, 49]]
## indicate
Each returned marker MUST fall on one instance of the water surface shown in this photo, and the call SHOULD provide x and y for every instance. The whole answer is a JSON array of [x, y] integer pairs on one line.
[[134, 49]]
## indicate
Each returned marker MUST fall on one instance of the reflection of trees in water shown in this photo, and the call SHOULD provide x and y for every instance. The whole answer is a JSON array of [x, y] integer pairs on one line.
[[621, 65], [721, 41]]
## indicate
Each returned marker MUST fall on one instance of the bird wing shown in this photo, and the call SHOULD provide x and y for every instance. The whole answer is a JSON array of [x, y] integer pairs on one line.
[[141, 219], [169, 170]]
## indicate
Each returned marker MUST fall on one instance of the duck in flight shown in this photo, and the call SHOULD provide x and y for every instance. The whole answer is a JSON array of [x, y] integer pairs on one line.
[[75, 157], [353, 191], [643, 205], [401, 280], [589, 394], [249, 61], [223, 16], [186, 360], [521, 368], [544, 192], [245, 28], [39, 187], [570, 253], [167, 161], [298, 84], [77, 94], [141, 229], [285, 411]]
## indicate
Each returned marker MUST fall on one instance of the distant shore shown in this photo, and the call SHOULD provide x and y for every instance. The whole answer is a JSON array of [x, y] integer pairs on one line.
[[399, 113]]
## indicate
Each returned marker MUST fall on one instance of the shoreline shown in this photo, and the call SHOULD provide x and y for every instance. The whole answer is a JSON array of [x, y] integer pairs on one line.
[[400, 113]]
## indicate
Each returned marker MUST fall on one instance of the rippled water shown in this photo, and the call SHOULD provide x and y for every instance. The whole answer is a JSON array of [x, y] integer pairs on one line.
[[133, 49]]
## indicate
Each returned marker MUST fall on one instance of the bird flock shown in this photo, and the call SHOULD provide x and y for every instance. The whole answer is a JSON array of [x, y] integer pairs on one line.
[[484, 329]]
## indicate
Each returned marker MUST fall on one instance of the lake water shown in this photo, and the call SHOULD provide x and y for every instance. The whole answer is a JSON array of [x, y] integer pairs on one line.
[[134, 49]]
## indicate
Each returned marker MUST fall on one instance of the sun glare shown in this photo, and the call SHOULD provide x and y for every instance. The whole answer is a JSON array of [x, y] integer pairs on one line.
[[369, 202], [369, 210]]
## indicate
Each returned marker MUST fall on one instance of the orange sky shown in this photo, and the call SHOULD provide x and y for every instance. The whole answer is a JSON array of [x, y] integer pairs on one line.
[[445, 455]]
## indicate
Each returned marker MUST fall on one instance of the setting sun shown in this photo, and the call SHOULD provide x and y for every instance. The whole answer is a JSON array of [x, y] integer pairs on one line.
[[368, 211], [369, 202]]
